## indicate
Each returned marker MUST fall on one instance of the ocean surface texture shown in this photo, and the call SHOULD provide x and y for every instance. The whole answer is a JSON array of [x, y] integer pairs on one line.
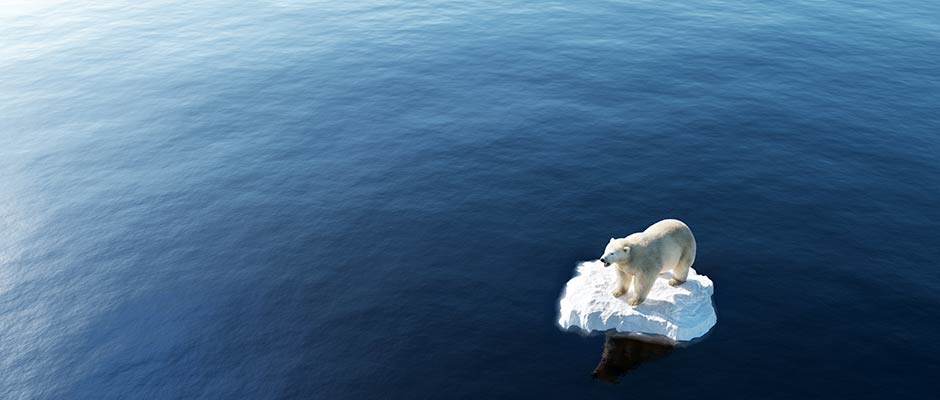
[[384, 199]]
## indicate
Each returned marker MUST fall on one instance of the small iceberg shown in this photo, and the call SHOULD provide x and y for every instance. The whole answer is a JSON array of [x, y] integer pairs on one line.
[[680, 313]]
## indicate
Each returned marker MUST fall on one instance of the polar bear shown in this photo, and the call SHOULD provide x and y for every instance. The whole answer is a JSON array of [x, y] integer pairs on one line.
[[641, 257]]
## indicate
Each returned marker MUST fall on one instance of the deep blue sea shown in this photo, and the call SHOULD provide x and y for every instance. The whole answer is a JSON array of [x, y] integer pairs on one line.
[[384, 199]]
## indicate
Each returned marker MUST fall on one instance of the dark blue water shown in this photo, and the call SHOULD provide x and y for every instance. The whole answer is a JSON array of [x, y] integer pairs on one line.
[[383, 199]]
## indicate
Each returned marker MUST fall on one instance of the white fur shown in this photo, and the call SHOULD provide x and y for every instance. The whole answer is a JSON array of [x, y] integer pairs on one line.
[[641, 257]]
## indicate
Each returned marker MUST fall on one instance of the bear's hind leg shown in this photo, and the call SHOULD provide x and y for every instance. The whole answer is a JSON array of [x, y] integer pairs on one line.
[[681, 271], [679, 274]]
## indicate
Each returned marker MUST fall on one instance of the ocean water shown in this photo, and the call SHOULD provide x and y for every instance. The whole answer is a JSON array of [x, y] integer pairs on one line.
[[384, 199]]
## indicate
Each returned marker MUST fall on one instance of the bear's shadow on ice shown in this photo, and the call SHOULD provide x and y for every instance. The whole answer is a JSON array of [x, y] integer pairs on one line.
[[623, 354], [660, 307]]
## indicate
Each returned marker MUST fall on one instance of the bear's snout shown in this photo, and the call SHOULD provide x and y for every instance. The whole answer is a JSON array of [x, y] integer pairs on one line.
[[606, 264]]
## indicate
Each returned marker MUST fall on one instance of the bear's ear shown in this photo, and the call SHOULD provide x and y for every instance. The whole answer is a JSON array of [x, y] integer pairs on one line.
[[611, 240], [626, 249]]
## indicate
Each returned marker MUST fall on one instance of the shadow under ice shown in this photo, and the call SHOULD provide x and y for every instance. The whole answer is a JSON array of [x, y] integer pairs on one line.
[[623, 354]]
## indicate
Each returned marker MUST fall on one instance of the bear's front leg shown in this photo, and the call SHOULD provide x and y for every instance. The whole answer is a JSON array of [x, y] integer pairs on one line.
[[642, 287], [623, 283]]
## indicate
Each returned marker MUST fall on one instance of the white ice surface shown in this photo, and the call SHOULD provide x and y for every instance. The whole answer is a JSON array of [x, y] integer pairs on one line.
[[680, 313]]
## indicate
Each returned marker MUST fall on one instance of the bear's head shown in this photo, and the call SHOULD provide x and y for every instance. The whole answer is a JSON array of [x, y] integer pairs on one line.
[[615, 255]]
